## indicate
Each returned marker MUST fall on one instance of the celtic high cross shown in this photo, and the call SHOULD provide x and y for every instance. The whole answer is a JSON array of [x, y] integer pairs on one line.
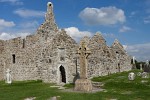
[[83, 52]]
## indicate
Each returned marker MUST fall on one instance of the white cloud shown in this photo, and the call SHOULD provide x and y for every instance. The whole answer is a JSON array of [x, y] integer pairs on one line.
[[29, 13], [7, 36], [133, 13], [147, 20], [125, 47], [109, 35], [15, 2], [4, 23], [140, 51], [103, 16], [32, 24], [20, 30], [76, 34], [125, 29]]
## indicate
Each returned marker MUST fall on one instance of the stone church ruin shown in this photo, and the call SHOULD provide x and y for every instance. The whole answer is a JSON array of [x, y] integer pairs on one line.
[[51, 55]]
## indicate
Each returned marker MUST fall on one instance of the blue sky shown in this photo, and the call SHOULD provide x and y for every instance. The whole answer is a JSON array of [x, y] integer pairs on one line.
[[126, 20]]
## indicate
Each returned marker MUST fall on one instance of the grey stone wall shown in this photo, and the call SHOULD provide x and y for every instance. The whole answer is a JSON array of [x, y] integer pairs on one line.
[[40, 56]]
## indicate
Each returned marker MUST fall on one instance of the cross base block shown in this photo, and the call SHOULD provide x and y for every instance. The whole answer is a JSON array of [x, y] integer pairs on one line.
[[84, 85]]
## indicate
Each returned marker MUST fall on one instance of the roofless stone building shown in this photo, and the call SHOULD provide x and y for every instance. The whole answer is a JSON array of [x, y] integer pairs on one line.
[[51, 55]]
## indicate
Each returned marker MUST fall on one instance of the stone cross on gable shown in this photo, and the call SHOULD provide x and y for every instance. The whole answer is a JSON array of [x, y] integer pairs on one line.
[[83, 52]]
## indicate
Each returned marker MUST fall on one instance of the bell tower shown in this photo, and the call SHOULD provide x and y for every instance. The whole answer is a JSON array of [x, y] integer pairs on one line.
[[49, 17], [49, 23]]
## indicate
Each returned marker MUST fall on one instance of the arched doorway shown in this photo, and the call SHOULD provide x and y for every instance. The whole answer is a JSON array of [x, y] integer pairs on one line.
[[62, 74]]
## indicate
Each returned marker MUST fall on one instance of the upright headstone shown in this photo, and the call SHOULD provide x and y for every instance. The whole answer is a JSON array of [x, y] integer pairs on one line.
[[147, 62], [8, 77], [147, 67], [133, 64], [141, 67], [133, 60], [83, 84]]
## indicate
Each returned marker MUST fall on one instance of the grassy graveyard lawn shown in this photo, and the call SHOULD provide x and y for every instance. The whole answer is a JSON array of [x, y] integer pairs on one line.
[[116, 87]]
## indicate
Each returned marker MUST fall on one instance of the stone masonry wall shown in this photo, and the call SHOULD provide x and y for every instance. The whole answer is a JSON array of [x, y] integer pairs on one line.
[[44, 54]]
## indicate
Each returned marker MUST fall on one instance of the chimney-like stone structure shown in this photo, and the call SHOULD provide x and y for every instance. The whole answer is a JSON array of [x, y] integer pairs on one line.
[[49, 17], [49, 24]]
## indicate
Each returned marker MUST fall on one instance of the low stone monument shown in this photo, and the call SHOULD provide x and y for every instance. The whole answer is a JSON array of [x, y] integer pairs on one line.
[[145, 75], [141, 67], [131, 76], [30, 98], [8, 78], [83, 84], [147, 67], [133, 64], [133, 60], [139, 74], [55, 98]]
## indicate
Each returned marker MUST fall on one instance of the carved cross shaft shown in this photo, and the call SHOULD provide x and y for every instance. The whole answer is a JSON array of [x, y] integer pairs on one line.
[[83, 52]]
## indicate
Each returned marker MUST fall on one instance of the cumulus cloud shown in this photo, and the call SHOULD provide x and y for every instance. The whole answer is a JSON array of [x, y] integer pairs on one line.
[[21, 30], [29, 13], [140, 51], [4, 23], [125, 29], [103, 16], [7, 36], [15, 2], [76, 34]]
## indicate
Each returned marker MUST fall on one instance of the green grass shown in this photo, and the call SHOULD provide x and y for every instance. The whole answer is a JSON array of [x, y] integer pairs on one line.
[[117, 86], [123, 89], [71, 85]]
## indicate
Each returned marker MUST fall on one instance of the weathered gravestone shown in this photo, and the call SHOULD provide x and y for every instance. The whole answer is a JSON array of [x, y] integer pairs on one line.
[[83, 84], [139, 74], [147, 67], [133, 64], [55, 98], [131, 76], [141, 67], [8, 78], [30, 98], [145, 75]]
